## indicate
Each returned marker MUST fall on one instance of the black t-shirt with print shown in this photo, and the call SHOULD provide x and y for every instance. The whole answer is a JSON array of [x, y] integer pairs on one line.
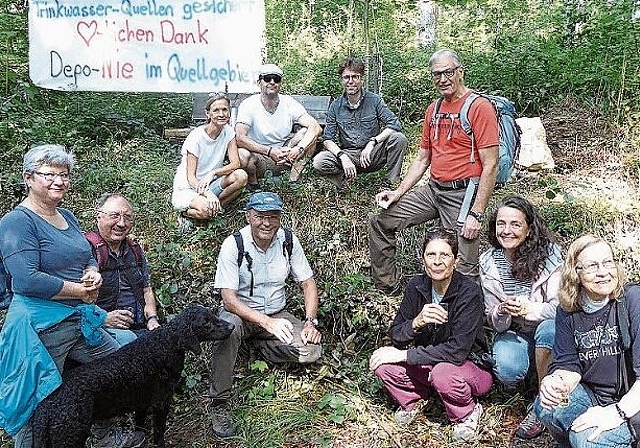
[[590, 344]]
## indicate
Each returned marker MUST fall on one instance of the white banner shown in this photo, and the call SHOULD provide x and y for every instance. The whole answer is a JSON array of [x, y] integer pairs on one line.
[[146, 45]]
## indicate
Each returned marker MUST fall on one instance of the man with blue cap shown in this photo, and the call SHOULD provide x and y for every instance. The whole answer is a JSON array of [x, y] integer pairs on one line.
[[264, 128], [252, 268]]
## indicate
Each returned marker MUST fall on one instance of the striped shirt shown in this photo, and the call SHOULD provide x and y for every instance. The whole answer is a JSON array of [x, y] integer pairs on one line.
[[510, 285]]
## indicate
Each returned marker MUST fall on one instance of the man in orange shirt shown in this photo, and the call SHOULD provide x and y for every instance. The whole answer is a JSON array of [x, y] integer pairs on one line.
[[462, 177]]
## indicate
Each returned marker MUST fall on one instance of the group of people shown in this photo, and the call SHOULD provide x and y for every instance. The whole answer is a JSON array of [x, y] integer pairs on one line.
[[571, 322], [274, 133]]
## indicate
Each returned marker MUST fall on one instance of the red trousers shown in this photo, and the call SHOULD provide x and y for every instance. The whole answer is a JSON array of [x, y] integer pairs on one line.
[[457, 386]]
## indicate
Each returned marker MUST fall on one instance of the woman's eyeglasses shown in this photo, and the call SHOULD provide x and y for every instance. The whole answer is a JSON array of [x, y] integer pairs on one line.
[[591, 267], [50, 177], [441, 230], [432, 256]]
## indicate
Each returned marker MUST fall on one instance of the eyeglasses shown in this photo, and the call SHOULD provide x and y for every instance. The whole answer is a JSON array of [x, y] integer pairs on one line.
[[266, 218], [275, 78], [591, 267], [115, 216], [348, 78], [50, 177], [432, 256], [448, 73], [433, 230]]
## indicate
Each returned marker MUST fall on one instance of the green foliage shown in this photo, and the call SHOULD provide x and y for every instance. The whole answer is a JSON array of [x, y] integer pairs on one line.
[[336, 406], [528, 51]]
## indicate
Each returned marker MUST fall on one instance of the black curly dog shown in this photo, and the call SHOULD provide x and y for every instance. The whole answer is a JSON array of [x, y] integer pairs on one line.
[[141, 377]]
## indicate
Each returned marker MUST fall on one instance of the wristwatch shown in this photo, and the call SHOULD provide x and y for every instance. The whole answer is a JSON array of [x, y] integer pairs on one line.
[[479, 216], [312, 320]]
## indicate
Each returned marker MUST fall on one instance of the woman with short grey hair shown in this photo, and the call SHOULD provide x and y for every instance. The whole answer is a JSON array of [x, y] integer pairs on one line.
[[54, 281]]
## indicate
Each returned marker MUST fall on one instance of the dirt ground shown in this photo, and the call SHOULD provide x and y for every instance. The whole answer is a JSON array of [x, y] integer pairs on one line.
[[582, 146]]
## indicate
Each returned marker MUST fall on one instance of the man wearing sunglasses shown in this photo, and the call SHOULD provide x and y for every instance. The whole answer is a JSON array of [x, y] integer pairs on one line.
[[264, 127], [463, 172], [362, 135]]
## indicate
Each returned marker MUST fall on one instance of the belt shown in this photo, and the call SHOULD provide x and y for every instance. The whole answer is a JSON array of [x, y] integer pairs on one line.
[[452, 185]]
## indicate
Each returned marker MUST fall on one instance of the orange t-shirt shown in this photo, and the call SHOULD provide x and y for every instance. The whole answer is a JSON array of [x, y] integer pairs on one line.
[[451, 150]]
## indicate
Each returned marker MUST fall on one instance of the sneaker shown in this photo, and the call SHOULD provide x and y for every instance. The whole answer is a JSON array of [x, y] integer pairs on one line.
[[465, 431], [221, 421], [184, 224], [531, 427], [119, 438], [403, 417]]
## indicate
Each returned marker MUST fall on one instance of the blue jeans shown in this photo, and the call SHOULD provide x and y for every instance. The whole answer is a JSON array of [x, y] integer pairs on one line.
[[559, 420], [513, 351], [65, 340], [122, 337]]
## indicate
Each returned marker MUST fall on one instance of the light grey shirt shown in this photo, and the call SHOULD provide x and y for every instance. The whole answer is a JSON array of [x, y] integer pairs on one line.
[[270, 270]]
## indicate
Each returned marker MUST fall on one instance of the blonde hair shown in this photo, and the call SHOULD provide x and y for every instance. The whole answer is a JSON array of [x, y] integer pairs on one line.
[[213, 97], [570, 286]]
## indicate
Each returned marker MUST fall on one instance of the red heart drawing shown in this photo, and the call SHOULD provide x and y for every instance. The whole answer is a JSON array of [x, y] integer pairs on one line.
[[87, 30]]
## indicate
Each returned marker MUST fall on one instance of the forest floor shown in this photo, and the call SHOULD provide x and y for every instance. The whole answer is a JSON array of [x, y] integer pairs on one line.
[[337, 403]]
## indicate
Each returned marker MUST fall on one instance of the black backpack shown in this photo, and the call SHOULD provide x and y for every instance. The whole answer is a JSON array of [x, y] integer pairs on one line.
[[287, 250]]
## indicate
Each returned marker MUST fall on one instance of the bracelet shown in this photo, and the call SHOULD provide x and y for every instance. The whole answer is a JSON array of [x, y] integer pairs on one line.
[[153, 316], [269, 151], [339, 154], [622, 415], [374, 140]]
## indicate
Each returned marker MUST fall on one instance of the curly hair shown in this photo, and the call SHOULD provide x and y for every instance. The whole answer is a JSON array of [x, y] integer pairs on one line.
[[531, 255], [570, 286]]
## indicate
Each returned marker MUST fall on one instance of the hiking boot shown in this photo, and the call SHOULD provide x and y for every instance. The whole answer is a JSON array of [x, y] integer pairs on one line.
[[465, 431], [117, 437], [184, 224], [531, 427], [403, 417], [221, 421]]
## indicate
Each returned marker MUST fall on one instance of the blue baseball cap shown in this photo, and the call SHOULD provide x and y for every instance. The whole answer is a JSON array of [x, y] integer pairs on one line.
[[264, 201]]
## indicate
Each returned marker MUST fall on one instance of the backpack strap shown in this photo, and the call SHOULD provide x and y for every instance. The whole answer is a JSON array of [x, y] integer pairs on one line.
[[243, 254], [100, 247], [287, 246], [136, 249], [435, 118], [622, 317], [287, 250], [466, 124]]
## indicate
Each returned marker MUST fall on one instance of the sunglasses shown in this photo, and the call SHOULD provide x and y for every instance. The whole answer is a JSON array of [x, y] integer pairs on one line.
[[446, 230], [275, 78]]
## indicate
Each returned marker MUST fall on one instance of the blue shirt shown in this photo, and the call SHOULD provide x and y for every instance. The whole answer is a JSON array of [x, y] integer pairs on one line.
[[39, 256], [353, 127]]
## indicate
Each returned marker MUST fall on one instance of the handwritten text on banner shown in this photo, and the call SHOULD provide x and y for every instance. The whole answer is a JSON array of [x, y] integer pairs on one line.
[[146, 45]]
